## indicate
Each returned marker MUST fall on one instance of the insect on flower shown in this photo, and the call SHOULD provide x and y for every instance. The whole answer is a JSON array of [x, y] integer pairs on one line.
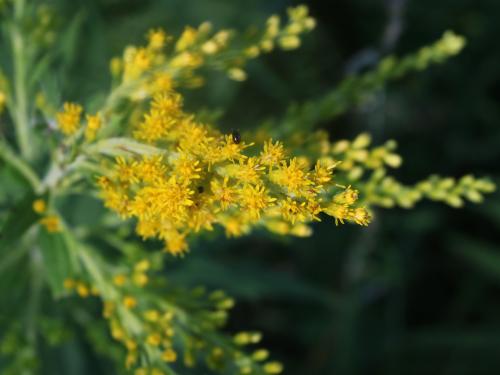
[[236, 136]]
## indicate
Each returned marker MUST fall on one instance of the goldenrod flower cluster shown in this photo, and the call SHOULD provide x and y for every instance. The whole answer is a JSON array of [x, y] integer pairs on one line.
[[68, 120], [143, 71], [200, 177], [367, 168], [176, 176], [179, 327]]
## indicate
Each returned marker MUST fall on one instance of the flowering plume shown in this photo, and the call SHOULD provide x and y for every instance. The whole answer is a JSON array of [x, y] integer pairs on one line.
[[200, 177]]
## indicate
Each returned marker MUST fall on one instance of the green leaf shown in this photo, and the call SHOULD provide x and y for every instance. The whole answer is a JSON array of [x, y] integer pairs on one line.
[[18, 221], [58, 251]]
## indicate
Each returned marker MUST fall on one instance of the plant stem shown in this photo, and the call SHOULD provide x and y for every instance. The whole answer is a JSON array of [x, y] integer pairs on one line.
[[20, 113]]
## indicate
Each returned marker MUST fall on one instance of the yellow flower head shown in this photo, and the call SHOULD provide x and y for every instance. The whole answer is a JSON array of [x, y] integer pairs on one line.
[[68, 120], [201, 177], [223, 195], [272, 154], [187, 39], [51, 223], [39, 206], [169, 355], [82, 289], [175, 242], [3, 100], [254, 199], [157, 39], [129, 302], [119, 280], [93, 125], [293, 177]]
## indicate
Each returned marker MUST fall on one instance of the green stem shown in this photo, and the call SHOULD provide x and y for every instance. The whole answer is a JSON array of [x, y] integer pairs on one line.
[[20, 112]]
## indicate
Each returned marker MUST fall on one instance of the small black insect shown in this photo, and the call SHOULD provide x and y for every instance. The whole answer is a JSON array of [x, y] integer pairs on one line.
[[200, 189], [235, 134]]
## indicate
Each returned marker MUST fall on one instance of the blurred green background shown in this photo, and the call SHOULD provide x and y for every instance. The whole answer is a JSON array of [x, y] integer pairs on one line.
[[417, 292]]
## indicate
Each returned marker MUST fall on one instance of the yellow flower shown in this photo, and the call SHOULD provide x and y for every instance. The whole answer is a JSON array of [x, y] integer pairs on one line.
[[119, 280], [167, 104], [164, 113], [293, 177], [117, 331], [187, 39], [82, 290], [289, 42], [68, 120], [294, 211], [51, 223], [142, 59], [126, 172], [142, 266], [272, 154], [254, 199], [3, 100], [108, 309], [169, 355], [201, 177], [322, 173], [131, 344], [246, 172], [93, 125], [210, 47], [154, 339], [151, 169], [237, 74], [175, 242], [129, 302], [230, 150], [140, 279], [152, 315], [273, 368], [340, 212], [186, 168], [360, 216], [136, 62], [115, 66], [39, 206], [260, 355], [235, 227], [223, 195], [161, 83], [131, 359], [157, 39], [347, 197]]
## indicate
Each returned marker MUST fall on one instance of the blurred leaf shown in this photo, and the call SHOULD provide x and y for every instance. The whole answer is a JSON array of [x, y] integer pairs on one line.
[[59, 259], [68, 43], [19, 220]]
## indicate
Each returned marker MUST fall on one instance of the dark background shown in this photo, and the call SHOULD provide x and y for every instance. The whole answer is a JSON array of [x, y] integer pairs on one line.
[[417, 292]]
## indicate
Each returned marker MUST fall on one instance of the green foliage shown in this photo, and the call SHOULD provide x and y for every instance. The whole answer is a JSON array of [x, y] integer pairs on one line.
[[359, 301], [355, 89]]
